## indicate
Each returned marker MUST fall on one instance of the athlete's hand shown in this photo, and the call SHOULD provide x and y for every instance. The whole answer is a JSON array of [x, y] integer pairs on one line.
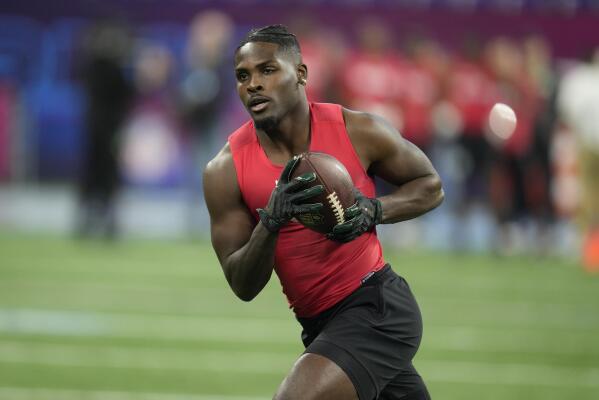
[[287, 198], [361, 217]]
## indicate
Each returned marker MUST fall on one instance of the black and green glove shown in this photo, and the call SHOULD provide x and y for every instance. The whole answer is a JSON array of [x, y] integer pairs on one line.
[[361, 217], [287, 198]]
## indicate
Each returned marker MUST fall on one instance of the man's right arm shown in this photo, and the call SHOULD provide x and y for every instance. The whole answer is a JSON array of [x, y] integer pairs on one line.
[[244, 249]]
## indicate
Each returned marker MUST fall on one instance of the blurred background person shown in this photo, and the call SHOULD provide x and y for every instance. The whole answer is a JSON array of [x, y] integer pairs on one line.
[[151, 155], [421, 72], [460, 121], [508, 186], [371, 78], [541, 72], [204, 90], [579, 110], [108, 93], [324, 48]]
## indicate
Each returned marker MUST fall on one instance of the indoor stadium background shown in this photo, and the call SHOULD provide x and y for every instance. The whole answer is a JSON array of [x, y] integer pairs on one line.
[[121, 297]]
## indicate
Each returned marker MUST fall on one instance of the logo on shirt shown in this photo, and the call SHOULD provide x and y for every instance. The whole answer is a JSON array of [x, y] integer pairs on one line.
[[367, 276]]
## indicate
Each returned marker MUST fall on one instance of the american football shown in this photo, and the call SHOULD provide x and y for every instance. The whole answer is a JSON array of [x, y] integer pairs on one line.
[[338, 194]]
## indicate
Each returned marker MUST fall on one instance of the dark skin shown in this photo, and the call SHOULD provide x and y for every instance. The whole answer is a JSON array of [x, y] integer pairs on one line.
[[245, 249]]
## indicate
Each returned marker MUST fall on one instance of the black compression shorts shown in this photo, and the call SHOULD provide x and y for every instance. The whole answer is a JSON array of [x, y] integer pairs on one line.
[[373, 334]]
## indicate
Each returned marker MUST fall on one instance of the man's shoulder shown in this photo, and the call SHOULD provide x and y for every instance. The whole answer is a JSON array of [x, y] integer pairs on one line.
[[361, 122], [221, 190], [243, 135], [337, 112], [324, 112], [224, 160], [371, 135], [221, 162]]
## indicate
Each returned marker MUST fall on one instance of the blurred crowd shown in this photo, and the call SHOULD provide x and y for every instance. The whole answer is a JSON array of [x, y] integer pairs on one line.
[[149, 108]]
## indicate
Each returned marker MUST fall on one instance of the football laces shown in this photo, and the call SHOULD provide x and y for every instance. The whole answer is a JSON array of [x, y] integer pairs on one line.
[[336, 207]]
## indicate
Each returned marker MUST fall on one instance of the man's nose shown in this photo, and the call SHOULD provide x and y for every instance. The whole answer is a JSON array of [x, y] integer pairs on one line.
[[255, 84]]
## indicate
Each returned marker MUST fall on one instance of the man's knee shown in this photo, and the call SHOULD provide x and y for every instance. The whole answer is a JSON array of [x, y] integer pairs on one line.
[[314, 377]]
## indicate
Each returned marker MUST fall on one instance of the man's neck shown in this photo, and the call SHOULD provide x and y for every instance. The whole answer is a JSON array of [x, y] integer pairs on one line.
[[290, 137]]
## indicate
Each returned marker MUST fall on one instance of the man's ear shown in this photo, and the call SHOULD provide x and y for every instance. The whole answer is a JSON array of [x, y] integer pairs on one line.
[[302, 74]]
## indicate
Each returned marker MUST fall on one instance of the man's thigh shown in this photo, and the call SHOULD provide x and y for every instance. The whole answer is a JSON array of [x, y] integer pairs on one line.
[[407, 385], [314, 377], [374, 336]]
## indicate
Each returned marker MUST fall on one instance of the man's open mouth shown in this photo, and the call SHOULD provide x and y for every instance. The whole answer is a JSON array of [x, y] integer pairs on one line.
[[258, 103]]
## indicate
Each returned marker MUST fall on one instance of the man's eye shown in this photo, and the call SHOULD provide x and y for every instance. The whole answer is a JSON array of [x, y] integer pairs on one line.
[[242, 77], [269, 70]]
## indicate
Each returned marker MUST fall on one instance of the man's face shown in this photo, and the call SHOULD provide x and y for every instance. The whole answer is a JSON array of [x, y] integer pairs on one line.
[[267, 82]]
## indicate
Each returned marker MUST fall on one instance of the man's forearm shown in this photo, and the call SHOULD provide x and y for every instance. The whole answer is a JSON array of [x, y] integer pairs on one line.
[[412, 199], [249, 269]]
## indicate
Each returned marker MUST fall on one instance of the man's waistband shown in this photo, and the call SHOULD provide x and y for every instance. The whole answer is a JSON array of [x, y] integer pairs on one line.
[[370, 279]]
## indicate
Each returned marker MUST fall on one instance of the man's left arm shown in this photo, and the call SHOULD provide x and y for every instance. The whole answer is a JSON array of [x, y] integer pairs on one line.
[[385, 153]]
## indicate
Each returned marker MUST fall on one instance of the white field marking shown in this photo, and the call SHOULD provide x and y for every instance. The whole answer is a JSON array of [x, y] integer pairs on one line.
[[200, 328], [151, 295], [130, 325], [123, 286], [519, 313], [16, 393], [526, 341], [559, 317], [513, 374], [50, 354], [547, 294], [142, 300], [554, 316], [95, 267], [51, 322], [515, 311]]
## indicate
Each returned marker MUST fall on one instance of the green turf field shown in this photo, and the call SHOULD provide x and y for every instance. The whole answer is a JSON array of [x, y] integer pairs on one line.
[[156, 320]]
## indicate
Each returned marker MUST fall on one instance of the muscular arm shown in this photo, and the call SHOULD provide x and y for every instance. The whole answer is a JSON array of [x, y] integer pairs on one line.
[[384, 153], [245, 250]]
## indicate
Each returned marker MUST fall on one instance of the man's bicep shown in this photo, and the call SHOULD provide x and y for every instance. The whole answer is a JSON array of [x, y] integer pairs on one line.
[[231, 223], [383, 151], [397, 160]]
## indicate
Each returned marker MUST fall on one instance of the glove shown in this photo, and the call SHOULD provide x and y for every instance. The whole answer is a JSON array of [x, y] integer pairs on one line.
[[286, 199], [360, 218]]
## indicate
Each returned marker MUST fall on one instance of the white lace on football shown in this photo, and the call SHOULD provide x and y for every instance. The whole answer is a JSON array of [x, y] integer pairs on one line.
[[336, 207]]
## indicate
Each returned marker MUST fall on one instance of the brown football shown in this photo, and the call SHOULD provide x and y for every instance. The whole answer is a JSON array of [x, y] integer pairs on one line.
[[338, 194]]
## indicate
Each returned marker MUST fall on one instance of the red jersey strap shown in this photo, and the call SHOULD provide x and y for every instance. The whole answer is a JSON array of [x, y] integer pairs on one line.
[[244, 135], [329, 135], [327, 112]]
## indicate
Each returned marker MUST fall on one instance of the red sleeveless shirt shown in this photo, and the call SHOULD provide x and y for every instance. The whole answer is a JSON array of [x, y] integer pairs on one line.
[[315, 273]]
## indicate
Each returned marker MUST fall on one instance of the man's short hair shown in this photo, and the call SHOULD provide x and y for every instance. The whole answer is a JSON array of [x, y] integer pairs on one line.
[[273, 34]]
